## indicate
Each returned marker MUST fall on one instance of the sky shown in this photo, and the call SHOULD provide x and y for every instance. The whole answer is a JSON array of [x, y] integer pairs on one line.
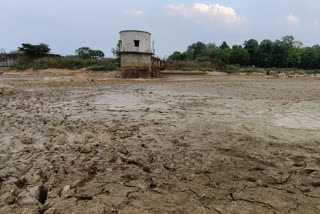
[[66, 25]]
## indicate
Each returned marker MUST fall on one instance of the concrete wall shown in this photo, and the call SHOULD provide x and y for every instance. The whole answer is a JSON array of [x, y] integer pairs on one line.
[[137, 62], [127, 41], [156, 66], [134, 59], [7, 60]]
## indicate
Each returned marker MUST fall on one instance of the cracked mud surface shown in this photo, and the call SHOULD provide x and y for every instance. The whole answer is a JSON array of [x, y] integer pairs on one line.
[[219, 145]]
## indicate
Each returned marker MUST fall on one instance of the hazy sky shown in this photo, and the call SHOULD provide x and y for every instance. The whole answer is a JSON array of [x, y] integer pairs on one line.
[[69, 24]]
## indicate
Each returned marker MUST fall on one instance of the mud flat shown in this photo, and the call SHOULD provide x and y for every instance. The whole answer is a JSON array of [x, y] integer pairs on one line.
[[218, 144]]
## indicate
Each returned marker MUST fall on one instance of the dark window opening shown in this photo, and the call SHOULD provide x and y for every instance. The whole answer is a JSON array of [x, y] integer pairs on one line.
[[136, 43]]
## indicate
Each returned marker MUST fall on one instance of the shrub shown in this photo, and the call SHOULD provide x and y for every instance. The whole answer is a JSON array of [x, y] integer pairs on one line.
[[189, 65], [34, 50], [233, 67], [105, 66], [249, 70], [68, 62], [23, 63], [88, 53], [313, 72]]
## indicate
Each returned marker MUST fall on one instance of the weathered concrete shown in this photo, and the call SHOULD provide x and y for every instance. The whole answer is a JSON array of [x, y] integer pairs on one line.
[[135, 59], [136, 55], [8, 60], [128, 38]]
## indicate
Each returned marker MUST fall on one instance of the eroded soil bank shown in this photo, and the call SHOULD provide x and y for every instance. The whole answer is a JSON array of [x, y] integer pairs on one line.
[[222, 144]]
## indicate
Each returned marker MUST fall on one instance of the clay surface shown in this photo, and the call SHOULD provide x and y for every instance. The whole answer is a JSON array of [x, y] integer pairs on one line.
[[180, 144]]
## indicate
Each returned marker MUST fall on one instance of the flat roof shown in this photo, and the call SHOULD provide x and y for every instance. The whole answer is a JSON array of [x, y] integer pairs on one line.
[[140, 31]]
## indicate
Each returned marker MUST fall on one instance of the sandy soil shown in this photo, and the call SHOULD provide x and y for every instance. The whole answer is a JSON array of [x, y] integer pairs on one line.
[[181, 144]]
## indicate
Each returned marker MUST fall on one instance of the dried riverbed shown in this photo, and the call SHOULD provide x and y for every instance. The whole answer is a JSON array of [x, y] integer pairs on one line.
[[211, 144]]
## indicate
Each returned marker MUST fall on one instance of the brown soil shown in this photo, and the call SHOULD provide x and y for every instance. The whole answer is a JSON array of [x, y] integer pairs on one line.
[[208, 144]]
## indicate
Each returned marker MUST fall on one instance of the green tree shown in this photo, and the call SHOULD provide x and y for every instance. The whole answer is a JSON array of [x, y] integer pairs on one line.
[[34, 51], [316, 49], [178, 56], [221, 58], [87, 53], [264, 55], [196, 50], [224, 45], [280, 54], [207, 53], [116, 51], [295, 58], [252, 46], [291, 51], [308, 58], [239, 55]]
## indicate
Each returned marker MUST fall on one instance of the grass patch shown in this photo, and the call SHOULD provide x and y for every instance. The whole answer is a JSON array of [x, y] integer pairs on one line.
[[232, 71], [102, 67], [313, 72], [23, 63], [67, 62], [189, 66]]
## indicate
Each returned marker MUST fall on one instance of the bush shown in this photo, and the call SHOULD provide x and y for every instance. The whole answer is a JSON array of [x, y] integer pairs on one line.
[[237, 69], [313, 72], [23, 63], [178, 56], [88, 53], [68, 62], [189, 66], [102, 67], [249, 70], [233, 67]]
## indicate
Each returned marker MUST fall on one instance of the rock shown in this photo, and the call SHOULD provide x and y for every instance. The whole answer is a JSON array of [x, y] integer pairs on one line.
[[27, 140], [51, 210], [31, 178], [26, 198], [6, 209], [6, 89], [85, 149], [8, 198], [34, 191], [65, 190], [79, 183]]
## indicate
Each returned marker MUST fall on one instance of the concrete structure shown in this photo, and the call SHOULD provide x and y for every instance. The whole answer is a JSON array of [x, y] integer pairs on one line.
[[136, 55], [8, 60]]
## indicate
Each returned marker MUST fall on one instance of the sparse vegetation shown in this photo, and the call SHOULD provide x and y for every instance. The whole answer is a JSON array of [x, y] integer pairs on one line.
[[116, 52], [36, 57], [72, 62], [67, 62], [189, 65]]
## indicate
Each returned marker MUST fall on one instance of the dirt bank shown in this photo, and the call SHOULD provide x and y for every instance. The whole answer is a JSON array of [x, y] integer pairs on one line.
[[216, 144]]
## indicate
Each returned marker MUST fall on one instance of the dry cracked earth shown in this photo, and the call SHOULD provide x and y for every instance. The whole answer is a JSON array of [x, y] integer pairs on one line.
[[212, 145]]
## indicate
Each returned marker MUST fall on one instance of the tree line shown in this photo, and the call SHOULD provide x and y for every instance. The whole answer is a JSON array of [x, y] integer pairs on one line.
[[283, 53], [42, 50], [39, 57]]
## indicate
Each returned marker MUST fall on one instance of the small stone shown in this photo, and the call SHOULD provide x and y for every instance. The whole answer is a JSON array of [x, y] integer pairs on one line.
[[31, 178], [34, 191], [65, 190], [8, 198], [85, 149], [78, 183], [27, 141]]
